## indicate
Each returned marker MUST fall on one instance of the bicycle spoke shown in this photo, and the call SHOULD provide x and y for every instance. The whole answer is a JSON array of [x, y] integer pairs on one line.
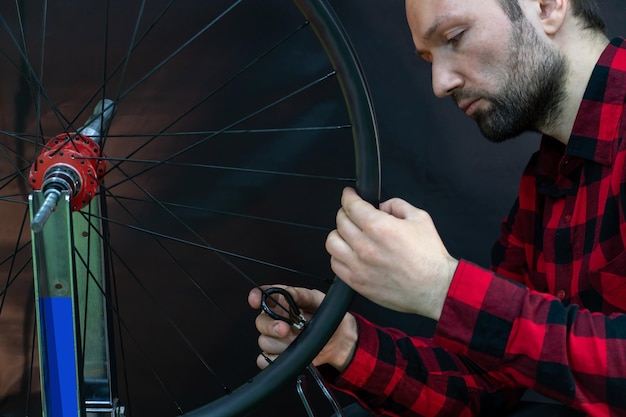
[[233, 124], [217, 89], [226, 213], [229, 168], [219, 251], [34, 80], [177, 51]]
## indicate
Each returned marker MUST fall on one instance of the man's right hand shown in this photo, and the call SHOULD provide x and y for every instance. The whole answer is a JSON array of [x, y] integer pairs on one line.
[[276, 335]]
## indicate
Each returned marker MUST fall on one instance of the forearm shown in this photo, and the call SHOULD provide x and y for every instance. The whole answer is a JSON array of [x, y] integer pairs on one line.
[[395, 374], [565, 353]]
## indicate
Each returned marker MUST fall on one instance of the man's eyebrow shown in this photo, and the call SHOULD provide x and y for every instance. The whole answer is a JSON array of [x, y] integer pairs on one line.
[[440, 20]]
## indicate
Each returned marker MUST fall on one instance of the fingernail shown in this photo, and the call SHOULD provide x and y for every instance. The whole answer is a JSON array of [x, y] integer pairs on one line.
[[276, 329]]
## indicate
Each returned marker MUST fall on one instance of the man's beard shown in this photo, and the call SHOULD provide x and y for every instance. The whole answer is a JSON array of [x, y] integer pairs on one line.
[[531, 91]]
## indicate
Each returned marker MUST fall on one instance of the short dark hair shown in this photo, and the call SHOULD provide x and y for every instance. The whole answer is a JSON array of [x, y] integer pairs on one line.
[[587, 10]]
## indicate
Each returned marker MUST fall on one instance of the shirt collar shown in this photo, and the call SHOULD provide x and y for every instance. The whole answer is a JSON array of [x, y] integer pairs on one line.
[[600, 112]]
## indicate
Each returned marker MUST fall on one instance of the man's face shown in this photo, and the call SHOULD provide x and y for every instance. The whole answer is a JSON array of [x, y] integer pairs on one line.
[[500, 73]]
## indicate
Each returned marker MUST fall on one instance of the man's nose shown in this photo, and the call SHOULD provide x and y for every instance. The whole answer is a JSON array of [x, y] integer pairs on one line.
[[445, 79]]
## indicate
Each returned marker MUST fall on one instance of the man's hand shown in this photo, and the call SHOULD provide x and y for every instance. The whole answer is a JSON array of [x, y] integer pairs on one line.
[[276, 335], [392, 256]]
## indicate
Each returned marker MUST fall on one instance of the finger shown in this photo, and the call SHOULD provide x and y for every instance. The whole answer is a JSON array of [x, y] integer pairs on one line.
[[264, 360], [254, 298], [337, 246], [359, 211], [308, 300], [270, 327], [347, 229], [341, 270], [274, 346], [341, 255], [400, 208]]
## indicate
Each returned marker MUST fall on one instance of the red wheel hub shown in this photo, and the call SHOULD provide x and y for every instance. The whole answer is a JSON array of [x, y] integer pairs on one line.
[[72, 156]]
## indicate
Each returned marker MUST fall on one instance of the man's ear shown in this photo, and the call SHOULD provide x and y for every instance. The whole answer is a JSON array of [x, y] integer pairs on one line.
[[546, 15], [552, 15]]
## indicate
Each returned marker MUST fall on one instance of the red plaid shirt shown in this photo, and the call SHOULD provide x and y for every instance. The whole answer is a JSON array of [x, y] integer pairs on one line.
[[556, 325]]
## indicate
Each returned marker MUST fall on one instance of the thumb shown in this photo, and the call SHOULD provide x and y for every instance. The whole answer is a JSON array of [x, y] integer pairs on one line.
[[306, 299], [399, 208]]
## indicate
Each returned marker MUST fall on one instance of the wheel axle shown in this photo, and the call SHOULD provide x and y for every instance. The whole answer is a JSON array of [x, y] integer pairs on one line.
[[72, 163]]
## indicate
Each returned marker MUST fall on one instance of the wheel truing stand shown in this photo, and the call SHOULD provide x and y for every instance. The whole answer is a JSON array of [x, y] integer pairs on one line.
[[73, 339]]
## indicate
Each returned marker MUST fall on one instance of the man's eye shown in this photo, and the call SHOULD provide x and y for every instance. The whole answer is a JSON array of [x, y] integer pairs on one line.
[[456, 38]]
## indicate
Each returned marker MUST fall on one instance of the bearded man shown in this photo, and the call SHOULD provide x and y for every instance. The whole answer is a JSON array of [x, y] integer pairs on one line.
[[549, 315]]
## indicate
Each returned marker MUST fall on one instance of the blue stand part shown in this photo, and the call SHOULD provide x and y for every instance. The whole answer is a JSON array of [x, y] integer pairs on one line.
[[60, 382]]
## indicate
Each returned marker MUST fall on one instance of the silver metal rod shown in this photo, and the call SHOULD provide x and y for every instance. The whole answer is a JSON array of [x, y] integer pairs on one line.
[[322, 386], [327, 393], [48, 206], [302, 394], [98, 123]]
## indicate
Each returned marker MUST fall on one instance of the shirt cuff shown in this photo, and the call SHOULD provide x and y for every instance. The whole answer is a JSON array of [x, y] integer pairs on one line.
[[478, 315], [363, 361]]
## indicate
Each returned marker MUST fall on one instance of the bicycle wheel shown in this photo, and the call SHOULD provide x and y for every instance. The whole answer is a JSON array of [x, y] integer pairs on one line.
[[237, 124]]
